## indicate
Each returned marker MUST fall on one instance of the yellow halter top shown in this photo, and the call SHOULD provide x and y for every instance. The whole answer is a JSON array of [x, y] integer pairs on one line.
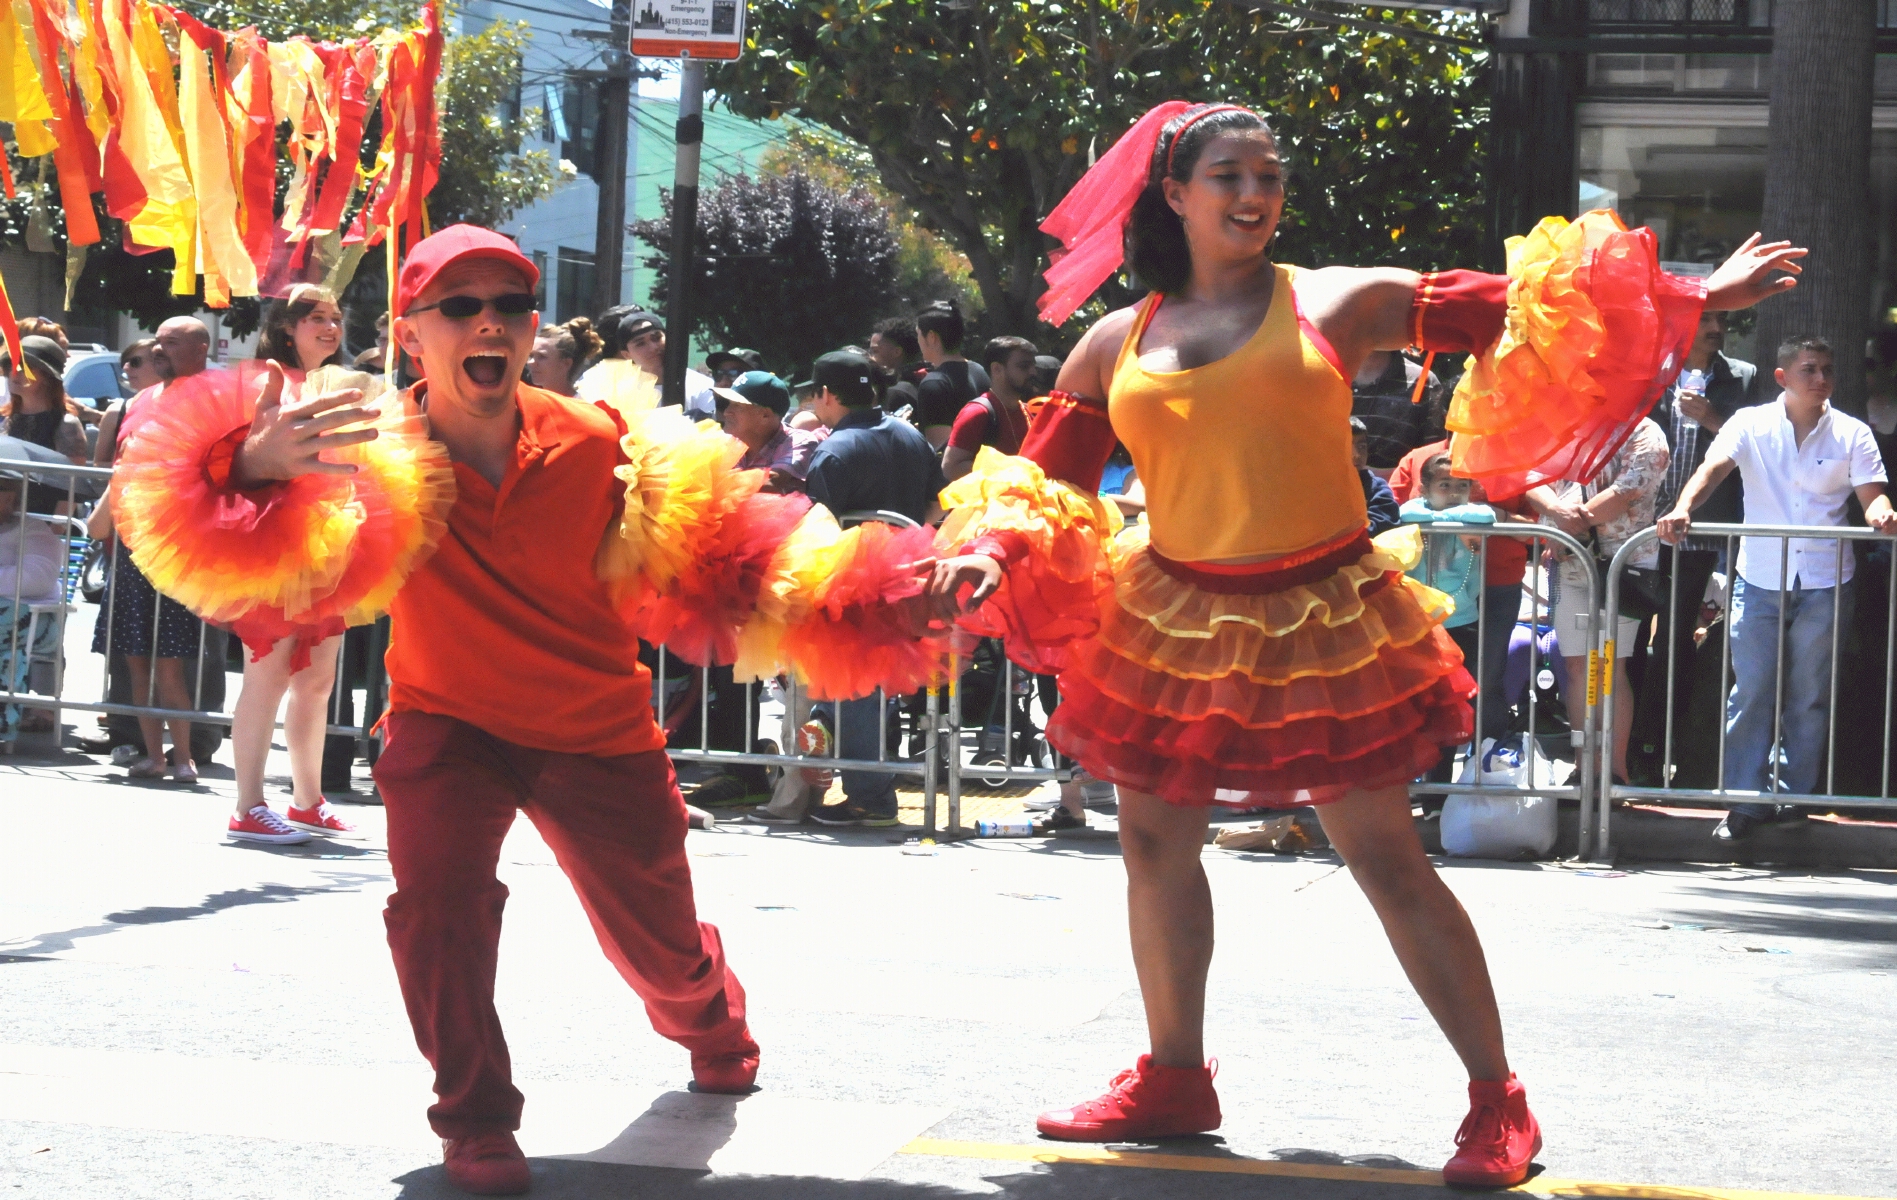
[[1246, 456]]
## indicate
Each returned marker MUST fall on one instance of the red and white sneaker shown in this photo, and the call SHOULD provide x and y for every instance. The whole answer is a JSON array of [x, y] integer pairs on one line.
[[262, 824], [321, 819], [1150, 1101], [813, 740], [1498, 1139]]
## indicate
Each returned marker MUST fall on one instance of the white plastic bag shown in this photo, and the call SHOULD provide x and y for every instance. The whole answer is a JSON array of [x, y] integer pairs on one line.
[[1507, 827]]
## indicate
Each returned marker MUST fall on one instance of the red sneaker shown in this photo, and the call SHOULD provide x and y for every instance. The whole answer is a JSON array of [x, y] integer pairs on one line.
[[1149, 1101], [262, 824], [726, 1074], [321, 819], [1498, 1139], [486, 1164]]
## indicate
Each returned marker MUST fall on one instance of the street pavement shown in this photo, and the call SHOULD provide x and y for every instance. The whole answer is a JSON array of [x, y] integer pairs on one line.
[[181, 1016]]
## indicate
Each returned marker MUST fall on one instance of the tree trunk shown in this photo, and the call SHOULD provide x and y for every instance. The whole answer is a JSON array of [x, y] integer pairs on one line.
[[1818, 182]]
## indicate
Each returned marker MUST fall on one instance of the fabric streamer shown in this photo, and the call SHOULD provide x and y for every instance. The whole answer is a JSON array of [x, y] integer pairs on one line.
[[1091, 220], [184, 151]]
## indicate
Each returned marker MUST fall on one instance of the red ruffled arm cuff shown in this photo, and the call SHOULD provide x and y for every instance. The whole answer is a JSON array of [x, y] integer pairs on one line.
[[221, 459], [1005, 546], [1070, 440], [1458, 311]]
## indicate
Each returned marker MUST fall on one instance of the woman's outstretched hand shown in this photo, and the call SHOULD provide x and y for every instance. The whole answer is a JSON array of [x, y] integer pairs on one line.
[[288, 440], [1752, 274]]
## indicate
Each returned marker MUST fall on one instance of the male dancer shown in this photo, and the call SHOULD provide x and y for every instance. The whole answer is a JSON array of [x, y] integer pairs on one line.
[[513, 685]]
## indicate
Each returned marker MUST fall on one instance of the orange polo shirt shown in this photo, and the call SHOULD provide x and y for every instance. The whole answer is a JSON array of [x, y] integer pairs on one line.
[[506, 627]]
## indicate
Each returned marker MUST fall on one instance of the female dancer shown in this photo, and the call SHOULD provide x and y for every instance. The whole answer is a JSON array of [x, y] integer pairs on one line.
[[558, 354], [304, 331], [1260, 651]]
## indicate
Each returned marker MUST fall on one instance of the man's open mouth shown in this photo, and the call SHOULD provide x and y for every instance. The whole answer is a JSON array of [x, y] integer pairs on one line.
[[486, 370]]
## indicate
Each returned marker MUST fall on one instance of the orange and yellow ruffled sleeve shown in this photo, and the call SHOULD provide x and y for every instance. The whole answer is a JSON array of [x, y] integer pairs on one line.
[[302, 558], [720, 572], [1052, 540], [1593, 331]]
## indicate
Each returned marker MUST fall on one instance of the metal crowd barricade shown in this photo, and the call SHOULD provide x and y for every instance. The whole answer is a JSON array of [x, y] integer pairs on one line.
[[1721, 794], [1584, 727], [76, 487]]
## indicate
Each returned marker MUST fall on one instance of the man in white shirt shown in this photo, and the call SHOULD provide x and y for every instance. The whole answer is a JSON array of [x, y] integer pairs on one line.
[[1801, 461]]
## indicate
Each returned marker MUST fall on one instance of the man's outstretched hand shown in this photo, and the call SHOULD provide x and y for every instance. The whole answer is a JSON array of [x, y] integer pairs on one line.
[[1752, 274], [288, 440]]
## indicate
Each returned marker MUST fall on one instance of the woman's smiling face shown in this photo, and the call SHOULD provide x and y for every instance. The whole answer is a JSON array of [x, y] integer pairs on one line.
[[1235, 196]]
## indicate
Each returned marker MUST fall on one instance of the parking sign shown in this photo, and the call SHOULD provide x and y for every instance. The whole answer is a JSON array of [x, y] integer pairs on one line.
[[688, 28]]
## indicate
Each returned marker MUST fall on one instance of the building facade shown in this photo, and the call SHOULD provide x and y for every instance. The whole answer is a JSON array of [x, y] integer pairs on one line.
[[1657, 109]]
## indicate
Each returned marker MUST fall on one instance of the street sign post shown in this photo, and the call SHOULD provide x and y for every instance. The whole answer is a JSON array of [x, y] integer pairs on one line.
[[692, 31], [688, 29]]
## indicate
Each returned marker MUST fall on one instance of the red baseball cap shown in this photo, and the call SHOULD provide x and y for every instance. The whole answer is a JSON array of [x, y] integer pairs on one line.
[[435, 253]]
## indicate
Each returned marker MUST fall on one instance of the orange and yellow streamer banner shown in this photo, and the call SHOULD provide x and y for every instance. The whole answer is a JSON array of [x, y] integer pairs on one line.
[[174, 126]]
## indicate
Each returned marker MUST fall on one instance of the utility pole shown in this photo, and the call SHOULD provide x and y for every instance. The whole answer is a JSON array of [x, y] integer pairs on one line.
[[678, 299], [615, 101]]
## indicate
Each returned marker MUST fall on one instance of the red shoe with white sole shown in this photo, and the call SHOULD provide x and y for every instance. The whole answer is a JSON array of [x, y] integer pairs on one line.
[[1499, 1138], [321, 819], [1150, 1101], [262, 824]]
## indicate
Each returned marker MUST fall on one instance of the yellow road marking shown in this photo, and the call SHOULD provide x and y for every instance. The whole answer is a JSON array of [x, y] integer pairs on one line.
[[1540, 1185]]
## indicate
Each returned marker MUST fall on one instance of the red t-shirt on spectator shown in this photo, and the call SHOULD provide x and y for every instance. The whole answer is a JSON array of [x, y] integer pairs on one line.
[[1005, 429], [1508, 557]]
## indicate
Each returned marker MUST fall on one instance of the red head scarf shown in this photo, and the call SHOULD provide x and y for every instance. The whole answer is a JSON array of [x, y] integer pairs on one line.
[[1091, 221]]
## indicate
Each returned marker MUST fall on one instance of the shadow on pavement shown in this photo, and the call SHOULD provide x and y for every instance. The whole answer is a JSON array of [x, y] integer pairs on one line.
[[62, 940], [559, 1179], [1826, 916]]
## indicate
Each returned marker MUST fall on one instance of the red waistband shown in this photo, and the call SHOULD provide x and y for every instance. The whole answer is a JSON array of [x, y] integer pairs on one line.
[[1274, 575]]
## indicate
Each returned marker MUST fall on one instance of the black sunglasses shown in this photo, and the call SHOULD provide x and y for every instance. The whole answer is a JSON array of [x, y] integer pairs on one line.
[[135, 361], [460, 308]]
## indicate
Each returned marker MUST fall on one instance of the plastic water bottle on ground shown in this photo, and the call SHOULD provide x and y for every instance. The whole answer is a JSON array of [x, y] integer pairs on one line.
[[1017, 827]]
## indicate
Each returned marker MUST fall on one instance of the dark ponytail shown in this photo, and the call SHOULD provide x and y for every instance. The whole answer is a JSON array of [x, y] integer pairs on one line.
[[1156, 249]]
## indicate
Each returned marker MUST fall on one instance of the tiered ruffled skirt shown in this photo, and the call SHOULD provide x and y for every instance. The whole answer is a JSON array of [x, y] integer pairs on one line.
[[1289, 682]]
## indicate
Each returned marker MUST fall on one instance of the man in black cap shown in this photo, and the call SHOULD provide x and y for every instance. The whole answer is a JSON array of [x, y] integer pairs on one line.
[[752, 409], [642, 336], [724, 366], [871, 462]]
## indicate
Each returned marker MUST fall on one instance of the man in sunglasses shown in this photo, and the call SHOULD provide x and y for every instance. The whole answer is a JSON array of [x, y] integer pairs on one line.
[[514, 685]]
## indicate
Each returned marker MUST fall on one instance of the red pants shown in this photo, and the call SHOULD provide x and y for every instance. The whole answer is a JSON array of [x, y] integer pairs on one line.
[[616, 827]]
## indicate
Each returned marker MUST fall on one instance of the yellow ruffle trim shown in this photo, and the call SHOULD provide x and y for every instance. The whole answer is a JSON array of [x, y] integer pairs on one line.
[[681, 480], [621, 385], [1004, 493], [1326, 628]]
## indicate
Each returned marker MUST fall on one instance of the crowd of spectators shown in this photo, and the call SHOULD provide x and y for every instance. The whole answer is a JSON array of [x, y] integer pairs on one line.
[[879, 428]]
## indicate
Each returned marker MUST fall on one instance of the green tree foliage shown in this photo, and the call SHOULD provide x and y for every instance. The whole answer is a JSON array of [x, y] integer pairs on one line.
[[927, 267], [787, 264], [485, 178], [981, 116]]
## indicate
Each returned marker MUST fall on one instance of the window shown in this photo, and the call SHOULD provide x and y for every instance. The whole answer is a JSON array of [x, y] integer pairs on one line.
[[579, 110], [576, 283], [512, 100], [95, 378]]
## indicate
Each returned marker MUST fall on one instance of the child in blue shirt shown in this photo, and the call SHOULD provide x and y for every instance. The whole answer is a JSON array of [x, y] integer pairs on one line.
[[1450, 564]]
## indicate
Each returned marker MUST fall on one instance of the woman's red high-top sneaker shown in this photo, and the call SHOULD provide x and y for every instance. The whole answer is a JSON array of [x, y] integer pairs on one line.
[[1149, 1101], [1498, 1139]]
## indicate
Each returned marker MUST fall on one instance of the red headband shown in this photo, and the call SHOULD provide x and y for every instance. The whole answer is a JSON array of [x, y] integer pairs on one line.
[[1091, 220], [1192, 120]]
